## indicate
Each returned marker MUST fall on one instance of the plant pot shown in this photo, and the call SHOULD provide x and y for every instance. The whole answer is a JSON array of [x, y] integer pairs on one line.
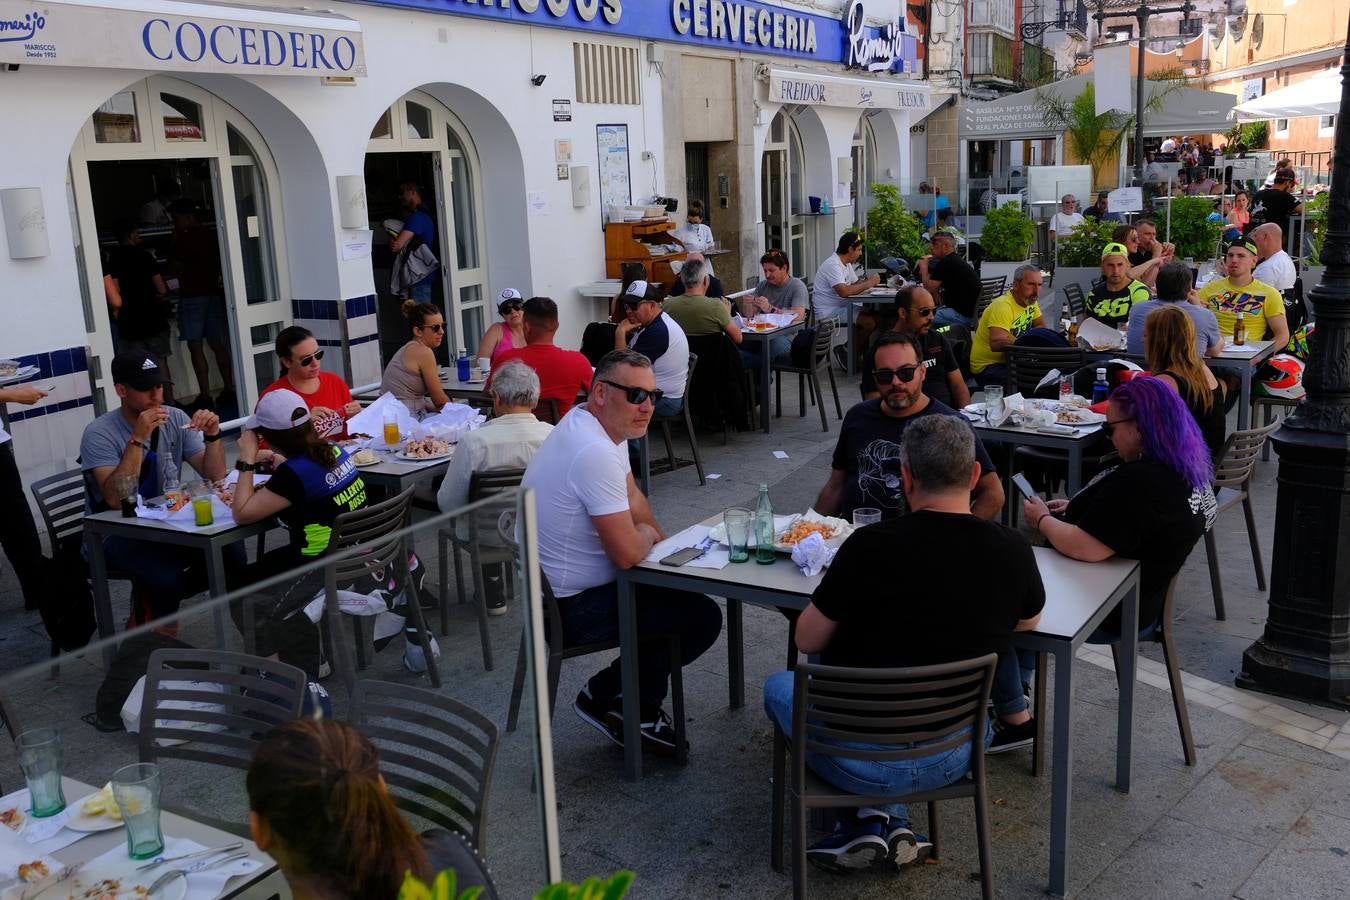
[[1312, 277]]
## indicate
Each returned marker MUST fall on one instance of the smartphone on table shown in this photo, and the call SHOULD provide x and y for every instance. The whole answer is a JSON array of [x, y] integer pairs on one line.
[[682, 557]]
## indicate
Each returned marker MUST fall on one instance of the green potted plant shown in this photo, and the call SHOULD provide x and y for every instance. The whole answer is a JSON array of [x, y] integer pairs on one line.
[[1192, 232], [444, 887], [1006, 239], [892, 230], [1080, 254], [1314, 268]]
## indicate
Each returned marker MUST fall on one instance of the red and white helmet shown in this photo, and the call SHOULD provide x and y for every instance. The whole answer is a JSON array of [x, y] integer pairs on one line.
[[1282, 376]]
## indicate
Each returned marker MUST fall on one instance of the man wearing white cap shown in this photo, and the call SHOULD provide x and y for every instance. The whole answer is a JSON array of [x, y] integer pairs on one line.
[[509, 332], [651, 331]]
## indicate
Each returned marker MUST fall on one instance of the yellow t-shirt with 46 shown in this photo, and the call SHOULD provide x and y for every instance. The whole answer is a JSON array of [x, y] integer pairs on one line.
[[1004, 312]]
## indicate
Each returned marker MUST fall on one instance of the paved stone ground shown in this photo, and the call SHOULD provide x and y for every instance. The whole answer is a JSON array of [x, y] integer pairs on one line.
[[1266, 812]]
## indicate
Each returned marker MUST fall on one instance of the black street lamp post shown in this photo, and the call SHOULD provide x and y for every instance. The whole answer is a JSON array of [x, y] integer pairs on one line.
[[1305, 650], [1141, 14]]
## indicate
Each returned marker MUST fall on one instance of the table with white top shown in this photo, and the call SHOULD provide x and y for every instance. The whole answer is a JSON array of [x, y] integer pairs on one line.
[[209, 539], [880, 295], [1021, 436], [1078, 597], [173, 825], [765, 338]]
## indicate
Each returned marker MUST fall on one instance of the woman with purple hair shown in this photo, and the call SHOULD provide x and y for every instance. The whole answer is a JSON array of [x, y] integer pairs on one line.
[[1152, 507]]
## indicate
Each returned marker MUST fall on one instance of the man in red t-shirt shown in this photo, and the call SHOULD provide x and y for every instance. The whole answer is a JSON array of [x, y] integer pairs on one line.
[[563, 374]]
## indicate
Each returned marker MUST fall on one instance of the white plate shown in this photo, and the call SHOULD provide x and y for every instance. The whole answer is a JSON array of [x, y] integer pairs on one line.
[[401, 455], [363, 465], [121, 870], [82, 822], [1083, 417]]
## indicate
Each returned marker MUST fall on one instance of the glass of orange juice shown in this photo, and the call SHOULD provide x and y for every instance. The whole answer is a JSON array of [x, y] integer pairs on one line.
[[391, 434]]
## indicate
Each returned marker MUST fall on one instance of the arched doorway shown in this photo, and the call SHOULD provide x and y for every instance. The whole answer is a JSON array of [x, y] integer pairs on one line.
[[163, 144], [864, 155], [419, 139], [782, 195]]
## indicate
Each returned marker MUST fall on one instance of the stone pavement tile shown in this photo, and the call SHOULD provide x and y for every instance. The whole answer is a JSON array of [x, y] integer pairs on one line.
[[1312, 861], [1255, 795], [1176, 859], [1336, 799]]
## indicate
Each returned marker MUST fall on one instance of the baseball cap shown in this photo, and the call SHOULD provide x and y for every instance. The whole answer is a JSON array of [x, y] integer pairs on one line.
[[139, 371], [639, 291], [1242, 244], [276, 410], [1114, 249], [509, 295]]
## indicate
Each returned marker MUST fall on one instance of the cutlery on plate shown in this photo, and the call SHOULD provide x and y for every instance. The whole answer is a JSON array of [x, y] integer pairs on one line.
[[170, 875]]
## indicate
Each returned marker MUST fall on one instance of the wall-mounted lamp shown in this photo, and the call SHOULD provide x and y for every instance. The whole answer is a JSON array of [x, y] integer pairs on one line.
[[25, 222], [352, 211], [537, 80]]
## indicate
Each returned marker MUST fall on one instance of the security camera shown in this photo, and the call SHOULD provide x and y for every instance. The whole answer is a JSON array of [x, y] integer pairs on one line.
[[537, 80]]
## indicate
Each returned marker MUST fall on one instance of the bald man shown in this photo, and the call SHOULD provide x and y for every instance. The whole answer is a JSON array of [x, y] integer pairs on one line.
[[1276, 268]]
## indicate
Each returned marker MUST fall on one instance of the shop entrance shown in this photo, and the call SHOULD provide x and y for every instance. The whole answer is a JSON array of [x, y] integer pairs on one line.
[[418, 139], [782, 197], [170, 189]]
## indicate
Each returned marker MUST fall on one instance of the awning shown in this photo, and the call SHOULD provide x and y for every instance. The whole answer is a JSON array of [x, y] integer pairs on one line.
[[1316, 96], [172, 35], [1016, 117], [807, 88]]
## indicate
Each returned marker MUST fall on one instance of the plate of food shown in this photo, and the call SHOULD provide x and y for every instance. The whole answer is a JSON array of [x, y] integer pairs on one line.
[[9, 368], [112, 879], [833, 531], [96, 812], [1076, 415], [364, 457], [423, 449]]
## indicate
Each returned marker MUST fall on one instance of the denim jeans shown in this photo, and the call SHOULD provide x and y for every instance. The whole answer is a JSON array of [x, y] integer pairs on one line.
[[669, 406], [593, 615], [752, 358], [997, 375], [165, 575], [946, 315], [865, 776], [421, 292]]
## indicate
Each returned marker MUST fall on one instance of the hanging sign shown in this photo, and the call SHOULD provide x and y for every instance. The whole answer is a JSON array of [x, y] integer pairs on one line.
[[885, 49]]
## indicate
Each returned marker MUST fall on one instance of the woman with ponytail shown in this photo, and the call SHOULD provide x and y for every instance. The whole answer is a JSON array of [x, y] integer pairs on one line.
[[413, 375], [319, 807]]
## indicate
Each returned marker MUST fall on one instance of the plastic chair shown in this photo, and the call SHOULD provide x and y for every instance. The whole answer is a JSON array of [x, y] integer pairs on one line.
[[449, 544], [809, 375], [235, 700], [436, 754], [1271, 409], [557, 652], [1232, 485], [683, 417], [1165, 634], [1075, 303], [990, 290], [373, 529], [943, 704]]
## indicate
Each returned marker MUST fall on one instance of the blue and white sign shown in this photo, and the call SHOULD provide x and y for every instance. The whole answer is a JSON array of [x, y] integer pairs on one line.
[[180, 36], [746, 25]]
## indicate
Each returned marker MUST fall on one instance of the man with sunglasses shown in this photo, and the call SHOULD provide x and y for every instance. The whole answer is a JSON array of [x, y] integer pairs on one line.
[[865, 470], [943, 379], [649, 330], [593, 521]]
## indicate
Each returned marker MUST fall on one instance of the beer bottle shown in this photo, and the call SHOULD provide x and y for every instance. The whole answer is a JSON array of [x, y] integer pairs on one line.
[[1239, 331]]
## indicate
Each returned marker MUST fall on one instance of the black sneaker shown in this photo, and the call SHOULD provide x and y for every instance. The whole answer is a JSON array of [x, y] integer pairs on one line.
[[599, 716], [1011, 737], [657, 729], [496, 596]]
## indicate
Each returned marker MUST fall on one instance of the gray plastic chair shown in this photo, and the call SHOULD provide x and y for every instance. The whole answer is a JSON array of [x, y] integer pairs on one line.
[[809, 376], [450, 545], [374, 529], [684, 416], [944, 705], [436, 754], [557, 652], [1075, 303], [1232, 485], [258, 694]]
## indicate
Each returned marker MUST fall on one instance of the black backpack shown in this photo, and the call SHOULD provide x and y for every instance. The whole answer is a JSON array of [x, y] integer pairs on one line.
[[67, 605], [130, 663]]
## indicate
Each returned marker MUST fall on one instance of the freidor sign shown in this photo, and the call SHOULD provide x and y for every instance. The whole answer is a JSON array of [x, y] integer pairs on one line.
[[179, 36]]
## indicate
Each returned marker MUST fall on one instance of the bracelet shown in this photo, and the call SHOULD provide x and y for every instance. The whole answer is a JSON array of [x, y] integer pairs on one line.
[[212, 438], [133, 442]]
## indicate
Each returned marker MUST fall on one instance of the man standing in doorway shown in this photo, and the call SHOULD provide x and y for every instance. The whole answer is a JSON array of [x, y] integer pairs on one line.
[[143, 319], [201, 303], [418, 229]]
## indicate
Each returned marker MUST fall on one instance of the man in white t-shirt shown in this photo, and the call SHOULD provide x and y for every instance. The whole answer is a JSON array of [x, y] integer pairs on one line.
[[592, 522], [836, 280], [1169, 145], [1276, 268], [649, 330], [1067, 219]]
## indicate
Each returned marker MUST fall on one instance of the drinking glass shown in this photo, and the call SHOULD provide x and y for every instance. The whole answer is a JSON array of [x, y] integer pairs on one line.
[[866, 515], [124, 487], [40, 758], [391, 434], [200, 493], [1065, 387], [136, 790], [737, 522], [993, 401]]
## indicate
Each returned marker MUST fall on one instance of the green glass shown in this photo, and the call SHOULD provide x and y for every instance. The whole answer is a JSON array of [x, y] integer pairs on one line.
[[40, 759], [136, 789], [737, 522]]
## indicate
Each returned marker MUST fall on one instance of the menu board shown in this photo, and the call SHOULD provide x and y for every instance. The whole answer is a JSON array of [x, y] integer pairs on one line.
[[615, 184]]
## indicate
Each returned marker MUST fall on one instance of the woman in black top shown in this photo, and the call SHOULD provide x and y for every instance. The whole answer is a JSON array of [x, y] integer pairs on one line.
[[1169, 353]]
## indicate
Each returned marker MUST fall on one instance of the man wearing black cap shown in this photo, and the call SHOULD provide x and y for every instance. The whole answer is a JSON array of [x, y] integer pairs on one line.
[[149, 441]]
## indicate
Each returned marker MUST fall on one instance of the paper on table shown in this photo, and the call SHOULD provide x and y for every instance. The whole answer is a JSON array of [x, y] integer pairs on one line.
[[778, 319], [45, 835], [204, 885], [371, 419], [1241, 350], [716, 557], [233, 478], [1098, 334]]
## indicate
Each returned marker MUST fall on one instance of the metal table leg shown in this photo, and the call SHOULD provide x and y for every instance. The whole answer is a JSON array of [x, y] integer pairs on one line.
[[645, 464], [215, 588], [1062, 777], [628, 664], [1129, 657], [1074, 479], [848, 314], [765, 373], [98, 575], [735, 655], [1244, 417]]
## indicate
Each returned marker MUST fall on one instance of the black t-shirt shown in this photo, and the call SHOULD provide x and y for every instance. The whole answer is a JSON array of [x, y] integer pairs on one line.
[[868, 453], [1213, 423], [1112, 308], [143, 314], [888, 619], [1271, 205], [318, 496], [715, 288], [1144, 510], [938, 362], [1139, 257], [960, 284]]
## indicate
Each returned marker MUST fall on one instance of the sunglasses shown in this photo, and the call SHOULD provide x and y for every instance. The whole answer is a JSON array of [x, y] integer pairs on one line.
[[632, 304], [436, 328], [511, 307], [925, 312], [1109, 427], [636, 395], [885, 376], [306, 360]]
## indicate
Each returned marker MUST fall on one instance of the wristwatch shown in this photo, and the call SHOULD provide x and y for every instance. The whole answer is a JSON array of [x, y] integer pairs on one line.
[[245, 466], [211, 438]]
